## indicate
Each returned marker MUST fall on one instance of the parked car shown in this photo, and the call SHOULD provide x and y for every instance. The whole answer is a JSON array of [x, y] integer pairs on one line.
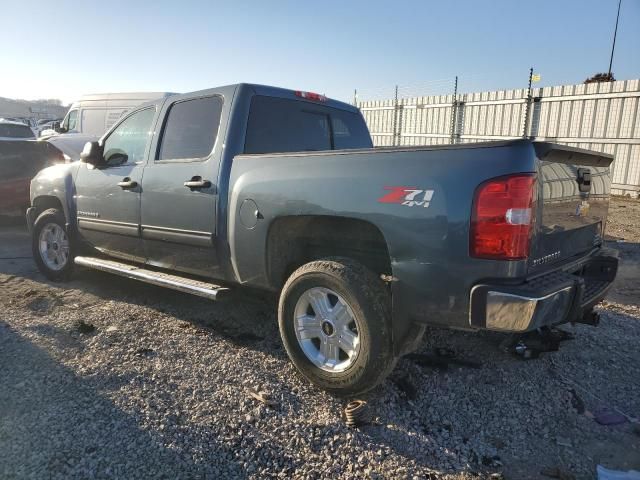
[[47, 128], [20, 159], [13, 130], [254, 186]]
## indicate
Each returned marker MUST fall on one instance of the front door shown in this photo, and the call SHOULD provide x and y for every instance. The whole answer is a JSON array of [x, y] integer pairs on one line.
[[178, 216], [108, 196]]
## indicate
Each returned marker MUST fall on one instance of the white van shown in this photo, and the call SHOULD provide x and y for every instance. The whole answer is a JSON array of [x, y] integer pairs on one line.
[[94, 114]]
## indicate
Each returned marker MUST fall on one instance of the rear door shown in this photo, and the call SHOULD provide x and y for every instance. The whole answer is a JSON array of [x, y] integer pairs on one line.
[[108, 197], [572, 203], [92, 121], [178, 216]]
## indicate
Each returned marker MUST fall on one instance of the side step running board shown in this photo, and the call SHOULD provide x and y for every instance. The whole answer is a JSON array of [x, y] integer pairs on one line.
[[175, 282]]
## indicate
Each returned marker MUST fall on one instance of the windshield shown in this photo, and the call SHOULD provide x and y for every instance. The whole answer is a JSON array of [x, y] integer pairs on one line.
[[70, 121], [9, 130]]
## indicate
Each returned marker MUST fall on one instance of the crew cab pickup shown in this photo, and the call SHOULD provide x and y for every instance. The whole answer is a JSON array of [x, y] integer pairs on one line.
[[281, 190]]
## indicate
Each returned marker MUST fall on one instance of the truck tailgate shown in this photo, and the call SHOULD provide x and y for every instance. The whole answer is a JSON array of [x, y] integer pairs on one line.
[[573, 200]]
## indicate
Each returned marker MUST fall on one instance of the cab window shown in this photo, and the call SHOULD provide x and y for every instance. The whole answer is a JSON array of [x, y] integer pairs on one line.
[[190, 129], [128, 142]]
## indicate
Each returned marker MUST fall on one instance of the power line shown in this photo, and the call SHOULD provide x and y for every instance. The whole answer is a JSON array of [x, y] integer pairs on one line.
[[615, 34]]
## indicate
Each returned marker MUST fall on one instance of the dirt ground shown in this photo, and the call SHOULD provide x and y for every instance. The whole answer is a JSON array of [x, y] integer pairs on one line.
[[103, 377]]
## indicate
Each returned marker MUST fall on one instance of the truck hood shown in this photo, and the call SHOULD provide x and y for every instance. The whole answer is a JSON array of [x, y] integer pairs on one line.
[[71, 144], [56, 172]]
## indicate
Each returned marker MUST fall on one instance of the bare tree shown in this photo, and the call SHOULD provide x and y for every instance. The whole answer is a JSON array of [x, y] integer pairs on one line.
[[601, 77]]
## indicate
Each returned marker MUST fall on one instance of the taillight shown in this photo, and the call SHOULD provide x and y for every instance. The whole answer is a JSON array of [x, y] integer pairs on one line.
[[503, 217], [316, 97]]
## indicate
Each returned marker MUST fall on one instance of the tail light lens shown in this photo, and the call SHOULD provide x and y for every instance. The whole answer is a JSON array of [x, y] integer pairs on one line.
[[503, 217]]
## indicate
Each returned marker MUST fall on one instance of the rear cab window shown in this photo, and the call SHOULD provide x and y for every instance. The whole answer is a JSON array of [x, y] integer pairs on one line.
[[280, 125]]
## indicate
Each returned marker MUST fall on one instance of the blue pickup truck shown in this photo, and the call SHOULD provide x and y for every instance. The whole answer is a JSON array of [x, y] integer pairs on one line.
[[281, 190]]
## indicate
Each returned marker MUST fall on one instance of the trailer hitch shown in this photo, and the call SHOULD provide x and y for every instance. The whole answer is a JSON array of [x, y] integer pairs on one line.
[[589, 318], [532, 344]]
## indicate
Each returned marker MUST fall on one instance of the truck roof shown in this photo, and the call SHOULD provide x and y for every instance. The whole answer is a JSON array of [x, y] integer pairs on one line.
[[123, 96], [5, 121], [277, 92]]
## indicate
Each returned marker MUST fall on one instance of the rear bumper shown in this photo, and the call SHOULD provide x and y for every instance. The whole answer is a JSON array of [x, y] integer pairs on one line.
[[551, 299]]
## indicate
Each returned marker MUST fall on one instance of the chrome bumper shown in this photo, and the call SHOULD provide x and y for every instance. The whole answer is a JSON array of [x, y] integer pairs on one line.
[[516, 313], [555, 298]]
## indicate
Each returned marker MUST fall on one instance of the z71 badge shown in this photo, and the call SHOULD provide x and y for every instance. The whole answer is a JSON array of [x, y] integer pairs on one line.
[[409, 196]]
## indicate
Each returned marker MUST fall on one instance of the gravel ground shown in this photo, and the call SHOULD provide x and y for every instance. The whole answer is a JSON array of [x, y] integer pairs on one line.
[[103, 377]]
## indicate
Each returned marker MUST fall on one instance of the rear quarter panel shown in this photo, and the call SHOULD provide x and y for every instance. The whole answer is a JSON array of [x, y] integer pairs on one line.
[[428, 245]]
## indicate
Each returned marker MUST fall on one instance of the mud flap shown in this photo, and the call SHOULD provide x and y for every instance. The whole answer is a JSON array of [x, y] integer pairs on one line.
[[406, 334]]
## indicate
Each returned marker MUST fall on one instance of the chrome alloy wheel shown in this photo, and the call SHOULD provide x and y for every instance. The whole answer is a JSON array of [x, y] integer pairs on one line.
[[326, 329], [54, 246]]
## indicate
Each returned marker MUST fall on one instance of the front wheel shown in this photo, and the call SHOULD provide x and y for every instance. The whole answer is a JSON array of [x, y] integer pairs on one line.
[[51, 247], [334, 318]]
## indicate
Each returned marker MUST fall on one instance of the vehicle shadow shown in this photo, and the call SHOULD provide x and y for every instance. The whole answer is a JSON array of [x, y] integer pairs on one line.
[[246, 318], [626, 289]]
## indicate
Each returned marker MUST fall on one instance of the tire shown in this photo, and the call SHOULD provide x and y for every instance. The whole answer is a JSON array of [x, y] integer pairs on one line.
[[364, 298], [57, 267]]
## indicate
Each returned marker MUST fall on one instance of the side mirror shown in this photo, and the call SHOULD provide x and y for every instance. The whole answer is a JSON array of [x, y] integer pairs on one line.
[[92, 154], [59, 128]]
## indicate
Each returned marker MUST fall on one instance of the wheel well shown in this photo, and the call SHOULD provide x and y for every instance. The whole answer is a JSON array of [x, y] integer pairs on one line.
[[45, 202], [296, 240]]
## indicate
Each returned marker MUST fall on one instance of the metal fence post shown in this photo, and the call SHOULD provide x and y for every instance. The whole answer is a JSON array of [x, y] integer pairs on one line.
[[401, 120], [454, 108], [396, 134], [527, 109]]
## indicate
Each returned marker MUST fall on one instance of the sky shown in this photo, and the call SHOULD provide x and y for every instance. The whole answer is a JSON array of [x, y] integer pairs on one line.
[[64, 49]]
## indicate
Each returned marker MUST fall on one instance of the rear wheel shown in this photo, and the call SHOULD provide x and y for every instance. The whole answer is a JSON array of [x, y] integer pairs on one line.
[[51, 246], [334, 321]]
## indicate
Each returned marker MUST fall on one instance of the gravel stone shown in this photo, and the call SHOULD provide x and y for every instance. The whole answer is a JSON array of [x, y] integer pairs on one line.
[[159, 389]]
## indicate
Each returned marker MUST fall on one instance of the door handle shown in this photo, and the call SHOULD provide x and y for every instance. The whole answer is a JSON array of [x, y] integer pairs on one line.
[[127, 183], [197, 182], [584, 179]]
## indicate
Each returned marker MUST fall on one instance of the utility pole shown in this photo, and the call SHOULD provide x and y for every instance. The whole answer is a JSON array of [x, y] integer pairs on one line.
[[615, 34]]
